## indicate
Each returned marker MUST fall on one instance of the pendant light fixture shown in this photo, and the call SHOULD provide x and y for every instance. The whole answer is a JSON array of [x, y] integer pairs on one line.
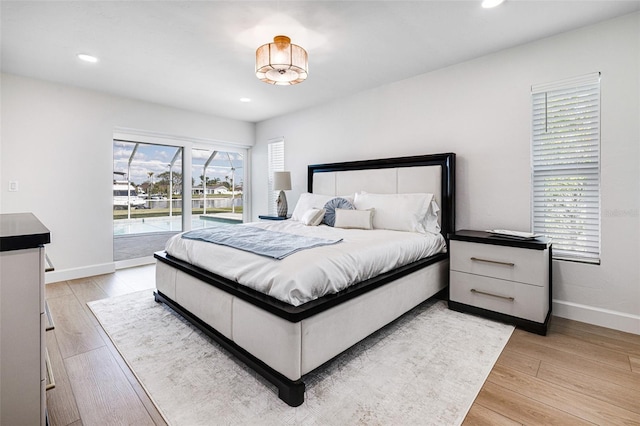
[[281, 63]]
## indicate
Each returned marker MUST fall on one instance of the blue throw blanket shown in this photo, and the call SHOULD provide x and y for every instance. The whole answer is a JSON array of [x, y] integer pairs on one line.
[[277, 245]]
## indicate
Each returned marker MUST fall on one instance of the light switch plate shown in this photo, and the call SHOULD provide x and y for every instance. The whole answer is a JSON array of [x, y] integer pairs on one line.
[[13, 186]]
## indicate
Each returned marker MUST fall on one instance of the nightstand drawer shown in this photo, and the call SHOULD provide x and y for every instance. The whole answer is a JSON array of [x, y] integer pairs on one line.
[[508, 297], [506, 263]]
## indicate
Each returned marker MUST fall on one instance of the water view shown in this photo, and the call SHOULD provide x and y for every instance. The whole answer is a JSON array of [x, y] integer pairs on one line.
[[148, 195]]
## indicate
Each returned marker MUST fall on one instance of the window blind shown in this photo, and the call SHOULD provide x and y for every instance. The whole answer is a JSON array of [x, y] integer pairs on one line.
[[276, 164], [566, 166]]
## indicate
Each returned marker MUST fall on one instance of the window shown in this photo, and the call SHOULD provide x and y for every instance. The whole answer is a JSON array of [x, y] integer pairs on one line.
[[159, 184], [566, 166], [276, 164]]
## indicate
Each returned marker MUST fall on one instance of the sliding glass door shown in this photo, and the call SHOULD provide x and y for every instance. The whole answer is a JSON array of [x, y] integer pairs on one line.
[[218, 189], [161, 189], [147, 197]]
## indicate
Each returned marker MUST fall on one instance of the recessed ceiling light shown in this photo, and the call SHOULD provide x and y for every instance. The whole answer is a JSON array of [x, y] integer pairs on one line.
[[245, 100], [87, 58], [487, 4]]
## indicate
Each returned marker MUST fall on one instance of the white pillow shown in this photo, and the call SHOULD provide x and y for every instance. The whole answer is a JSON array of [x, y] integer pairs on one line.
[[399, 212], [431, 219], [358, 219], [313, 217], [308, 201]]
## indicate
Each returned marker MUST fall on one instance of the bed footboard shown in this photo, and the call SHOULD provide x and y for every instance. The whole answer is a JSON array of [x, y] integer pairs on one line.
[[295, 348], [290, 391]]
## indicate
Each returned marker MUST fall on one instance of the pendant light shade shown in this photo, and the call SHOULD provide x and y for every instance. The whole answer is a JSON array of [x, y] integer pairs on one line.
[[281, 63]]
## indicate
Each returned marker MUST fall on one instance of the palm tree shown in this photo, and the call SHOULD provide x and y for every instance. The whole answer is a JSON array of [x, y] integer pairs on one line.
[[150, 182]]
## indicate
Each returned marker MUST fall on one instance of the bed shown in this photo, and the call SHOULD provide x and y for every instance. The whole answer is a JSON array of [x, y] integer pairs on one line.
[[282, 337]]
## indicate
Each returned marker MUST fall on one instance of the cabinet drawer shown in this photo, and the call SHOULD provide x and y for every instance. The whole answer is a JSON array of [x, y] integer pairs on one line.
[[506, 263], [508, 297]]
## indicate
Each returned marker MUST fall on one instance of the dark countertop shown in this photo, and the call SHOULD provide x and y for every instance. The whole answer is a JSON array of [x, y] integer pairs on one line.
[[22, 231]]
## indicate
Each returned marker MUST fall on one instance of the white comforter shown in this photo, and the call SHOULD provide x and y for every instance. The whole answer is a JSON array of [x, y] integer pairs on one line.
[[310, 274]]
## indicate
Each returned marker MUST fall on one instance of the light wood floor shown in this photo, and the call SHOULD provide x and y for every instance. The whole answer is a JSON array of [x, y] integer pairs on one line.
[[577, 374], [93, 385]]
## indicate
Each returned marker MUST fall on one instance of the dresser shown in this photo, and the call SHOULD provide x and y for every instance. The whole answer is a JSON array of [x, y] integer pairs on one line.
[[505, 279], [22, 320]]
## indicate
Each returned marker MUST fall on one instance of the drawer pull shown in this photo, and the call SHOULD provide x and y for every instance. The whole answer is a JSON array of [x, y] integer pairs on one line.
[[473, 290], [51, 383], [49, 320], [477, 259]]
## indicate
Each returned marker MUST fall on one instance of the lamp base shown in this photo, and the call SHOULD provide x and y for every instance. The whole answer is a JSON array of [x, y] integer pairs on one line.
[[282, 204]]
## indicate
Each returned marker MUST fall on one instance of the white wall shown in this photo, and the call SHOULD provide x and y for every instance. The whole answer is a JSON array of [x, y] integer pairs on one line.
[[481, 110], [57, 141]]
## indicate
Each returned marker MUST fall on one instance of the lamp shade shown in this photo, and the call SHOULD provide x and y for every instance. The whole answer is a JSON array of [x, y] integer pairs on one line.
[[281, 63], [281, 181]]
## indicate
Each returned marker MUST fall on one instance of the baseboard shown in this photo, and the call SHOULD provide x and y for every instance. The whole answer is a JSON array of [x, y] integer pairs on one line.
[[130, 263], [90, 271], [75, 273], [597, 316]]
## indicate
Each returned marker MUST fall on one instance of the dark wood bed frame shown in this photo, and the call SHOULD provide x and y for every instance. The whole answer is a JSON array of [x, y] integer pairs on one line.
[[292, 391]]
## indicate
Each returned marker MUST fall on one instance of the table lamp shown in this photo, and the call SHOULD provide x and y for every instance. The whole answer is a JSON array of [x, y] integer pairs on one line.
[[282, 182]]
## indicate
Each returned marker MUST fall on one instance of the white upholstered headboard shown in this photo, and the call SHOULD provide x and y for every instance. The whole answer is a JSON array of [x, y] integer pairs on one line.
[[380, 181], [433, 174]]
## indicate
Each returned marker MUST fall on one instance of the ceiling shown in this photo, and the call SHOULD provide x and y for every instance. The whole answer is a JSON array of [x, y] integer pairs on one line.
[[199, 55]]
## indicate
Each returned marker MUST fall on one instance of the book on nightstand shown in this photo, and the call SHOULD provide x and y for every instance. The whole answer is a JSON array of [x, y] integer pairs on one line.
[[505, 233]]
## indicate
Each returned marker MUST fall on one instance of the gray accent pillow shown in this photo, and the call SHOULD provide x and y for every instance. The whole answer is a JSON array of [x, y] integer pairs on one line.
[[331, 206]]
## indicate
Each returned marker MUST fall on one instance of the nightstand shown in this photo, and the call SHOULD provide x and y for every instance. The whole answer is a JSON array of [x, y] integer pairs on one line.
[[266, 217], [505, 279]]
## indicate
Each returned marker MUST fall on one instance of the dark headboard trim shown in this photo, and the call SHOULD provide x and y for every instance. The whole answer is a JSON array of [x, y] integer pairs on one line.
[[447, 162]]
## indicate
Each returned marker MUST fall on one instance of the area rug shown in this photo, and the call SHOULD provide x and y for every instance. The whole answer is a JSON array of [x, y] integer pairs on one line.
[[425, 368]]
